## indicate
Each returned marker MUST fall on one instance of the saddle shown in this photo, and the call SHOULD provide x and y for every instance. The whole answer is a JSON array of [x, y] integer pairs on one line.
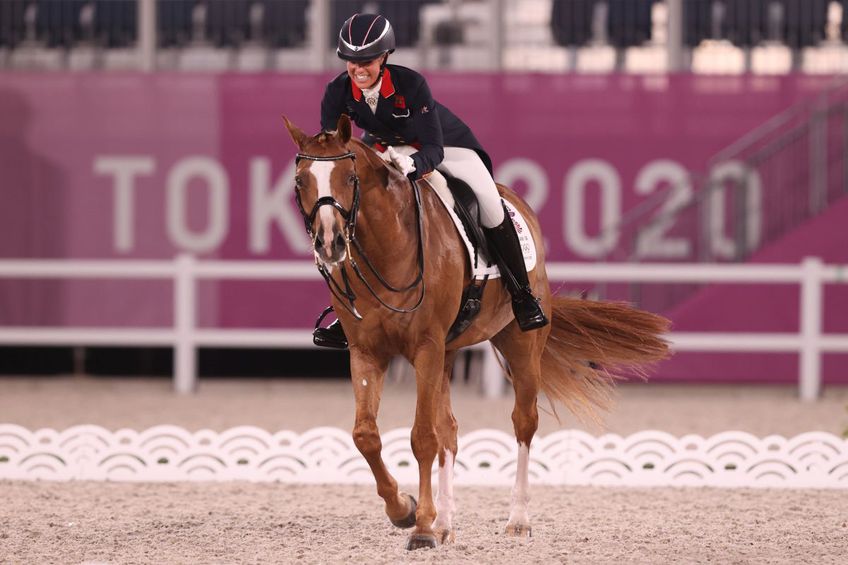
[[467, 209]]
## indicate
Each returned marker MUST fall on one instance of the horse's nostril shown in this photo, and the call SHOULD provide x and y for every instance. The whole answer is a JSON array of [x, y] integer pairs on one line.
[[339, 241], [319, 242]]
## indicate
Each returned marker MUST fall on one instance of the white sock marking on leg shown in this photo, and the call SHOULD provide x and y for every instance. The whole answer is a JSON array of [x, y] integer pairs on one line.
[[444, 500], [521, 489]]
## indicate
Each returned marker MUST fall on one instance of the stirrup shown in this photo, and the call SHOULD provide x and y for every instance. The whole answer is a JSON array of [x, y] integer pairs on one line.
[[528, 312], [332, 336]]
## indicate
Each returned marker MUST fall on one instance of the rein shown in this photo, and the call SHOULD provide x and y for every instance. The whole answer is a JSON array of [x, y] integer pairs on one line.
[[346, 295]]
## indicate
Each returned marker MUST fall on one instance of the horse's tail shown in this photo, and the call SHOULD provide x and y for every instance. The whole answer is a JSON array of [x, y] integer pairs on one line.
[[592, 344]]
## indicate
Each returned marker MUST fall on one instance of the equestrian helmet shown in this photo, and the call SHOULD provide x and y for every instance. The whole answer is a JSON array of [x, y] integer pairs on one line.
[[364, 37]]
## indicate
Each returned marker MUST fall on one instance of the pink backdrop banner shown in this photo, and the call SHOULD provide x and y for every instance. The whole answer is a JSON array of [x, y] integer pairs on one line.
[[147, 166]]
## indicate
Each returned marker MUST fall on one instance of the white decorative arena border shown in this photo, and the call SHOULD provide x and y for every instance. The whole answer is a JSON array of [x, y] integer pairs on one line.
[[486, 457]]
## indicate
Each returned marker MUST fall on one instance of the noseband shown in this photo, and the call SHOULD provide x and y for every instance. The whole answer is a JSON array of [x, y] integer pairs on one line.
[[345, 295]]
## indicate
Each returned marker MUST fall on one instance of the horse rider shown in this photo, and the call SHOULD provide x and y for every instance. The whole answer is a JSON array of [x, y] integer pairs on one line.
[[394, 106]]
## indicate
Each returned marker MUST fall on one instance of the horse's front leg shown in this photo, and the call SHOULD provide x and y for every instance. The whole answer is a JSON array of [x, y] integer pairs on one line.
[[446, 430], [367, 373], [429, 363]]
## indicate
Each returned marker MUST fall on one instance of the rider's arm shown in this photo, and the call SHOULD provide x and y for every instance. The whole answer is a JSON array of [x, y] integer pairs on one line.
[[332, 105], [428, 128]]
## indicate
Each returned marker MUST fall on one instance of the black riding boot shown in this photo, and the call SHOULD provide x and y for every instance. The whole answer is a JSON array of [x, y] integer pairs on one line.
[[506, 249], [332, 336]]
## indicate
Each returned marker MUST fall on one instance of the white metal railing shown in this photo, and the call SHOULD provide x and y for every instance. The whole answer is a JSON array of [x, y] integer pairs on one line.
[[185, 337]]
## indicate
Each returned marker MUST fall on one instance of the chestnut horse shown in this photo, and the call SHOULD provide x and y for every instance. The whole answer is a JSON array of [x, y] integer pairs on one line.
[[397, 269]]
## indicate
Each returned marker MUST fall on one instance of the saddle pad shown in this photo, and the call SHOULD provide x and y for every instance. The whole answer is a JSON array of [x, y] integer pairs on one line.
[[438, 183]]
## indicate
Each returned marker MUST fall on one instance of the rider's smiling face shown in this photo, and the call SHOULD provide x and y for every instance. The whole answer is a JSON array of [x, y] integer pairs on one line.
[[364, 74]]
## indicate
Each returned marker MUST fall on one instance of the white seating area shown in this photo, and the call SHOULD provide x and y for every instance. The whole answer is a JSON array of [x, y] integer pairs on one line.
[[456, 35]]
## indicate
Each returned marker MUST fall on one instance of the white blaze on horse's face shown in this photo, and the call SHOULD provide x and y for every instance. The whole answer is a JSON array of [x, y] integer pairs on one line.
[[329, 241]]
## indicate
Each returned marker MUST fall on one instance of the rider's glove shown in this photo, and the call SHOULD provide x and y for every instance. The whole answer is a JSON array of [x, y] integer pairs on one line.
[[404, 163]]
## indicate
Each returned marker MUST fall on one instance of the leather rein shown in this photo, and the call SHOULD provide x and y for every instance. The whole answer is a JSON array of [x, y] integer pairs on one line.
[[345, 295]]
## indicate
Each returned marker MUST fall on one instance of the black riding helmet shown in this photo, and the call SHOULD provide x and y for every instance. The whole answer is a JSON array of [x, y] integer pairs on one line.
[[364, 37]]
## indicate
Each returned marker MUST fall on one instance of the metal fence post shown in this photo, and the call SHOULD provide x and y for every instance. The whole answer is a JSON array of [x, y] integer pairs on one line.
[[818, 161], [674, 41], [844, 150], [147, 35], [185, 354], [493, 376], [812, 271], [319, 32], [498, 8]]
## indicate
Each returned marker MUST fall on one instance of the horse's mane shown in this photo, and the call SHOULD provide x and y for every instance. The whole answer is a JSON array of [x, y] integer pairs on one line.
[[389, 175], [362, 149], [359, 146]]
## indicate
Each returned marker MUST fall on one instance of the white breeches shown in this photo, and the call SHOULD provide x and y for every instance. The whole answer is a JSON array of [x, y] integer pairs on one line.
[[466, 165]]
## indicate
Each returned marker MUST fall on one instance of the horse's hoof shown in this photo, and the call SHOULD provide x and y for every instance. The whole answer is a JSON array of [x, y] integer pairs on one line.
[[409, 520], [421, 541], [445, 535], [519, 530]]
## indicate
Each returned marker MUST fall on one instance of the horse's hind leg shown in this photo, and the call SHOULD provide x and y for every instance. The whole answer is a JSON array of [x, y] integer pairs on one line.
[[523, 352], [446, 430], [367, 373]]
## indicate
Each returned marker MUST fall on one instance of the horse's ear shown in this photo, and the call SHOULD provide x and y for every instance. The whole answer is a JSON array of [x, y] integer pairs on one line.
[[296, 133], [343, 128]]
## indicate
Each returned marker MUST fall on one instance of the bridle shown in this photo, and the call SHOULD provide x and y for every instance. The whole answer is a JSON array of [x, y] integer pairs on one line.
[[345, 295], [348, 215]]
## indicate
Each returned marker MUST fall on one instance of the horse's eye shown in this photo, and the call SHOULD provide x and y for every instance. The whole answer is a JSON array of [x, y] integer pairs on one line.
[[298, 182], [351, 179]]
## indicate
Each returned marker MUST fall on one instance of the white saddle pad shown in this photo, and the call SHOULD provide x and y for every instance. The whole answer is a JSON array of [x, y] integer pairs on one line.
[[437, 181]]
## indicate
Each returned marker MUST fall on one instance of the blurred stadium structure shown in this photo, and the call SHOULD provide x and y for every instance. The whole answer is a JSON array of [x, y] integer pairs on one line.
[[705, 36], [800, 155], [696, 204]]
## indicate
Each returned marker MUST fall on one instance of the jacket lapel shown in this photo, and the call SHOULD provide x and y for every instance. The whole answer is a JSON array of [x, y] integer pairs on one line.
[[385, 105]]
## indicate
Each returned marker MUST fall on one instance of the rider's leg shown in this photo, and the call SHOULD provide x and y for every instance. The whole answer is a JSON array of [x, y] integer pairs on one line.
[[504, 245], [506, 249], [466, 165]]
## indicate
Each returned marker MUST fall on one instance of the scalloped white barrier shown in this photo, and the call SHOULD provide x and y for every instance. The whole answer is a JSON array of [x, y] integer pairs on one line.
[[486, 457]]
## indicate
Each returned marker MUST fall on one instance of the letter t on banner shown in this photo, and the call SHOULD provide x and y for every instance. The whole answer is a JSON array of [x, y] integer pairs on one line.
[[123, 170]]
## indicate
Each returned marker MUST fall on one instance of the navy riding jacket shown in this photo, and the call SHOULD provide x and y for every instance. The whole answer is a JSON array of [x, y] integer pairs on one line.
[[406, 114]]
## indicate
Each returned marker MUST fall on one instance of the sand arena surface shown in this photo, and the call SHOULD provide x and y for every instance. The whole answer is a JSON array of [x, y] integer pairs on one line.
[[244, 523], [277, 523]]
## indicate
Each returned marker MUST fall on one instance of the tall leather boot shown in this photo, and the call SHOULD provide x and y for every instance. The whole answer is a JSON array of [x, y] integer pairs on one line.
[[506, 251], [332, 336]]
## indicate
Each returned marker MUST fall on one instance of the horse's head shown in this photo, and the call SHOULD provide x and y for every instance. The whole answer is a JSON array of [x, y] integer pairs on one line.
[[327, 188]]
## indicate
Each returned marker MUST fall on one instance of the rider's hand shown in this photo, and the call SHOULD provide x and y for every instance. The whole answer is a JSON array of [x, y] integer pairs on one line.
[[404, 163]]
